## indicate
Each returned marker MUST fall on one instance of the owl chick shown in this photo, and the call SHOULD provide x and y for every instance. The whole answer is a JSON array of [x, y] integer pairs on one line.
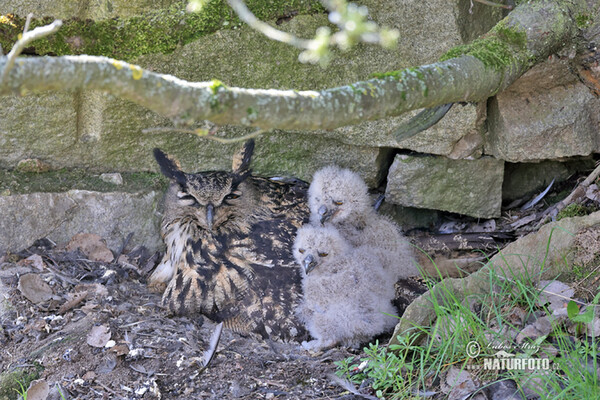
[[340, 197], [347, 298], [229, 237]]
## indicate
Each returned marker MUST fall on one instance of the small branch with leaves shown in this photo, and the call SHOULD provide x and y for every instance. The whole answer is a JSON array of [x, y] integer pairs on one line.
[[349, 18]]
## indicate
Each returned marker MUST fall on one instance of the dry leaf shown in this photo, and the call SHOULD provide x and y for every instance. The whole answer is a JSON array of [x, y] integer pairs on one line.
[[38, 390], [458, 384], [99, 335], [74, 302], [92, 246], [120, 349], [35, 261], [34, 288], [556, 293]]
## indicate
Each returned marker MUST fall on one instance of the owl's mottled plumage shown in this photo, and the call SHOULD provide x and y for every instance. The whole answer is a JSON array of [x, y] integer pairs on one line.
[[229, 237], [340, 197], [346, 292]]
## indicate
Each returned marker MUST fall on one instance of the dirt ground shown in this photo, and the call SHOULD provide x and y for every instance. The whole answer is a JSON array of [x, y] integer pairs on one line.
[[98, 333]]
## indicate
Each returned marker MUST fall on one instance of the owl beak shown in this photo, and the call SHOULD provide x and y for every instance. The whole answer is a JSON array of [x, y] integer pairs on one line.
[[309, 264], [324, 214], [210, 216]]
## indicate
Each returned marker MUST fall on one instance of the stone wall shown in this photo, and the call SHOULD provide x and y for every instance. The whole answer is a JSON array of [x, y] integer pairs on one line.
[[464, 154]]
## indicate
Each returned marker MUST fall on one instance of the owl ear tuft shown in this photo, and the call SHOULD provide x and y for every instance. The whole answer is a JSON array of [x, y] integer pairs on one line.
[[241, 160], [169, 167]]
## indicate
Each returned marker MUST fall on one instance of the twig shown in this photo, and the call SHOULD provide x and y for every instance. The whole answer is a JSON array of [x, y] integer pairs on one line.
[[492, 4], [27, 22], [274, 34], [207, 136], [27, 38]]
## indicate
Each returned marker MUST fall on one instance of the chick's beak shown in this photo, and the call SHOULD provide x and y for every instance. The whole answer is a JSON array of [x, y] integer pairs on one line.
[[324, 214], [309, 264], [210, 216]]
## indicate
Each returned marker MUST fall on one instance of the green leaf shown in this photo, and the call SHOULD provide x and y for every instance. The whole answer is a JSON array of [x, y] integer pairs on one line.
[[572, 309], [585, 317]]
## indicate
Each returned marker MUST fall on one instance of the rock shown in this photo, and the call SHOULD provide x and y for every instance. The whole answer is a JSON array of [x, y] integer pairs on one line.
[[458, 135], [545, 114], [470, 187], [503, 390], [458, 383], [59, 216], [32, 165], [541, 327], [114, 178], [556, 123], [68, 9], [40, 126], [38, 390], [4, 303]]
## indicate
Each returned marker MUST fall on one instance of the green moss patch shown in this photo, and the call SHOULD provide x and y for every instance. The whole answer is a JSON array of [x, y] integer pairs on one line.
[[503, 47], [159, 31], [574, 210], [15, 182]]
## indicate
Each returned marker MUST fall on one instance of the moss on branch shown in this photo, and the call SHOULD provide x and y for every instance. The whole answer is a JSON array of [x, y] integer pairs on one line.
[[502, 47], [159, 31]]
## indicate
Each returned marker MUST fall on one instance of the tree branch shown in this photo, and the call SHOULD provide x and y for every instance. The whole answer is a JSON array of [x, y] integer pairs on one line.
[[532, 32]]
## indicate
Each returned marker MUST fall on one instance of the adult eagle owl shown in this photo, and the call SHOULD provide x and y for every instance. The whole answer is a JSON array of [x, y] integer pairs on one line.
[[229, 238]]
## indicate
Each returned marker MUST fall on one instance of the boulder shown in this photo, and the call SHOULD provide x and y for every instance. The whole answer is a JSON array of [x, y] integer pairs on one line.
[[470, 187], [545, 114], [59, 216]]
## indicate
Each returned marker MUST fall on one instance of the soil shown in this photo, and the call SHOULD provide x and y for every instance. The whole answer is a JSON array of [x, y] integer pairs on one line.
[[142, 352]]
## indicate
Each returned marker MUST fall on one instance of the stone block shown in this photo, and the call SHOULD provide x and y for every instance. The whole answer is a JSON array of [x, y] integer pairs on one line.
[[556, 123], [545, 114], [470, 187], [59, 216], [443, 138], [95, 9], [40, 126]]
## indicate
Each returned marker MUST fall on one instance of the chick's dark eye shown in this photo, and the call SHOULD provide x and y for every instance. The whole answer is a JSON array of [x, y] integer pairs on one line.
[[338, 203], [323, 254]]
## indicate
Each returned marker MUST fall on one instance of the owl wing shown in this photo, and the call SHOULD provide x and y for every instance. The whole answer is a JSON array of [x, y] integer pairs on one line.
[[285, 199]]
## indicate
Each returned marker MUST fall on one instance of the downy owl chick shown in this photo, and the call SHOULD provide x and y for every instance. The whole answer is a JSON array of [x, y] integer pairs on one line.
[[346, 293], [340, 197], [229, 237]]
